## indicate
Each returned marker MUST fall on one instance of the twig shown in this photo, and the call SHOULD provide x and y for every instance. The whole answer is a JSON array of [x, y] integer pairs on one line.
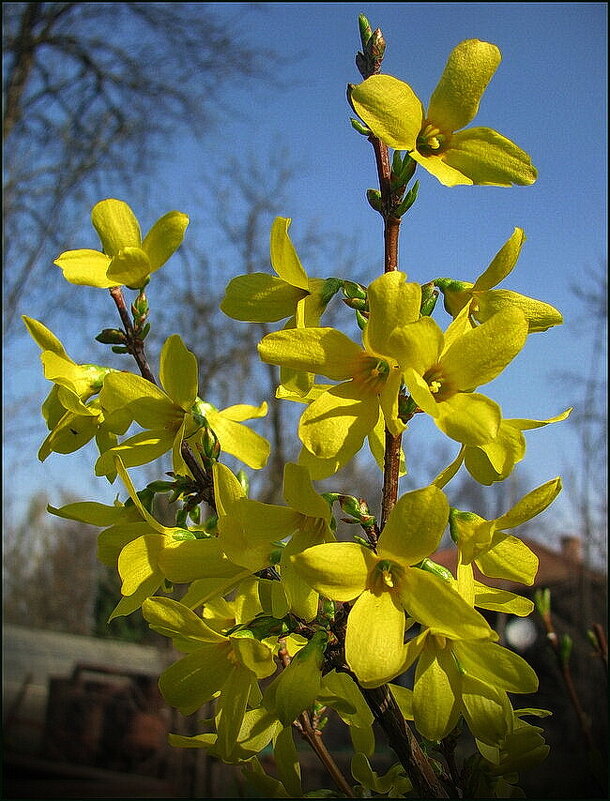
[[313, 737]]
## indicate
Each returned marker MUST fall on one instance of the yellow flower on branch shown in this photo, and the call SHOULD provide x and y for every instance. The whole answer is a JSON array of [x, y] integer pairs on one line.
[[335, 424], [438, 139], [174, 413], [442, 370], [483, 300], [387, 584], [126, 258]]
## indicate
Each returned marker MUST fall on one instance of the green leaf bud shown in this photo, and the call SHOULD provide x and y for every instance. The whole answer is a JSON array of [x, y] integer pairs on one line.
[[119, 349], [180, 535], [360, 127], [408, 200], [374, 198], [365, 29], [329, 289], [145, 331], [438, 570], [351, 289], [111, 336], [210, 443], [542, 601], [361, 320], [428, 299], [407, 169], [451, 285], [406, 408]]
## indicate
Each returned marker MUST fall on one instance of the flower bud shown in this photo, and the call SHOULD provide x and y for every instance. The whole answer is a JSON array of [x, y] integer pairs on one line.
[[542, 601], [374, 198], [111, 336]]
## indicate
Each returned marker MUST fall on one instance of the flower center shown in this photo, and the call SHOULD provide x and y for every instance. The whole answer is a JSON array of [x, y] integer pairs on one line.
[[438, 385], [386, 576], [372, 374], [431, 140]]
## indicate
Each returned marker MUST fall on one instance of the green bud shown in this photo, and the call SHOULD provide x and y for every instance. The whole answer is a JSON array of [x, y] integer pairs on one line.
[[181, 516], [360, 127], [161, 486], [408, 200], [565, 648], [407, 169], [331, 497], [451, 285], [406, 408], [351, 289], [111, 336], [365, 29], [428, 299], [438, 570], [374, 198], [542, 601], [397, 163], [361, 320], [210, 443], [145, 331], [330, 288], [356, 304], [119, 349]]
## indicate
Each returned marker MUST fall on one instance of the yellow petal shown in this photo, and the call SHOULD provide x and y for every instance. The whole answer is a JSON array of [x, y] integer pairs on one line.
[[183, 561], [390, 108], [300, 494], [433, 602], [164, 238], [531, 504], [488, 158], [414, 526], [470, 67], [338, 420], [487, 711], [284, 259], [374, 641], [116, 225], [194, 679], [540, 316], [509, 558], [43, 336], [435, 694], [138, 561], [502, 263], [325, 351], [239, 440], [496, 665], [130, 266], [392, 303], [436, 165], [260, 298], [501, 600], [178, 372], [337, 570], [470, 418], [482, 353], [86, 268]]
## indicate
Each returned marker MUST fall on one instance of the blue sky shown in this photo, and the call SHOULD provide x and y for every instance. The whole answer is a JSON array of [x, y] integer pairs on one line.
[[548, 95]]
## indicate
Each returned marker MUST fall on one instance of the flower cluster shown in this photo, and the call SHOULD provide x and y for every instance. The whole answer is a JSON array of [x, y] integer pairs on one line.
[[278, 617]]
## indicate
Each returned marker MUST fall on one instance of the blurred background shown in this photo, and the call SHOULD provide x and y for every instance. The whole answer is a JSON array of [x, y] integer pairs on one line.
[[235, 113]]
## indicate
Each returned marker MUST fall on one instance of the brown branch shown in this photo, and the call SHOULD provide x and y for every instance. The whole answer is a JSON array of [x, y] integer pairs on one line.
[[398, 732], [313, 737]]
